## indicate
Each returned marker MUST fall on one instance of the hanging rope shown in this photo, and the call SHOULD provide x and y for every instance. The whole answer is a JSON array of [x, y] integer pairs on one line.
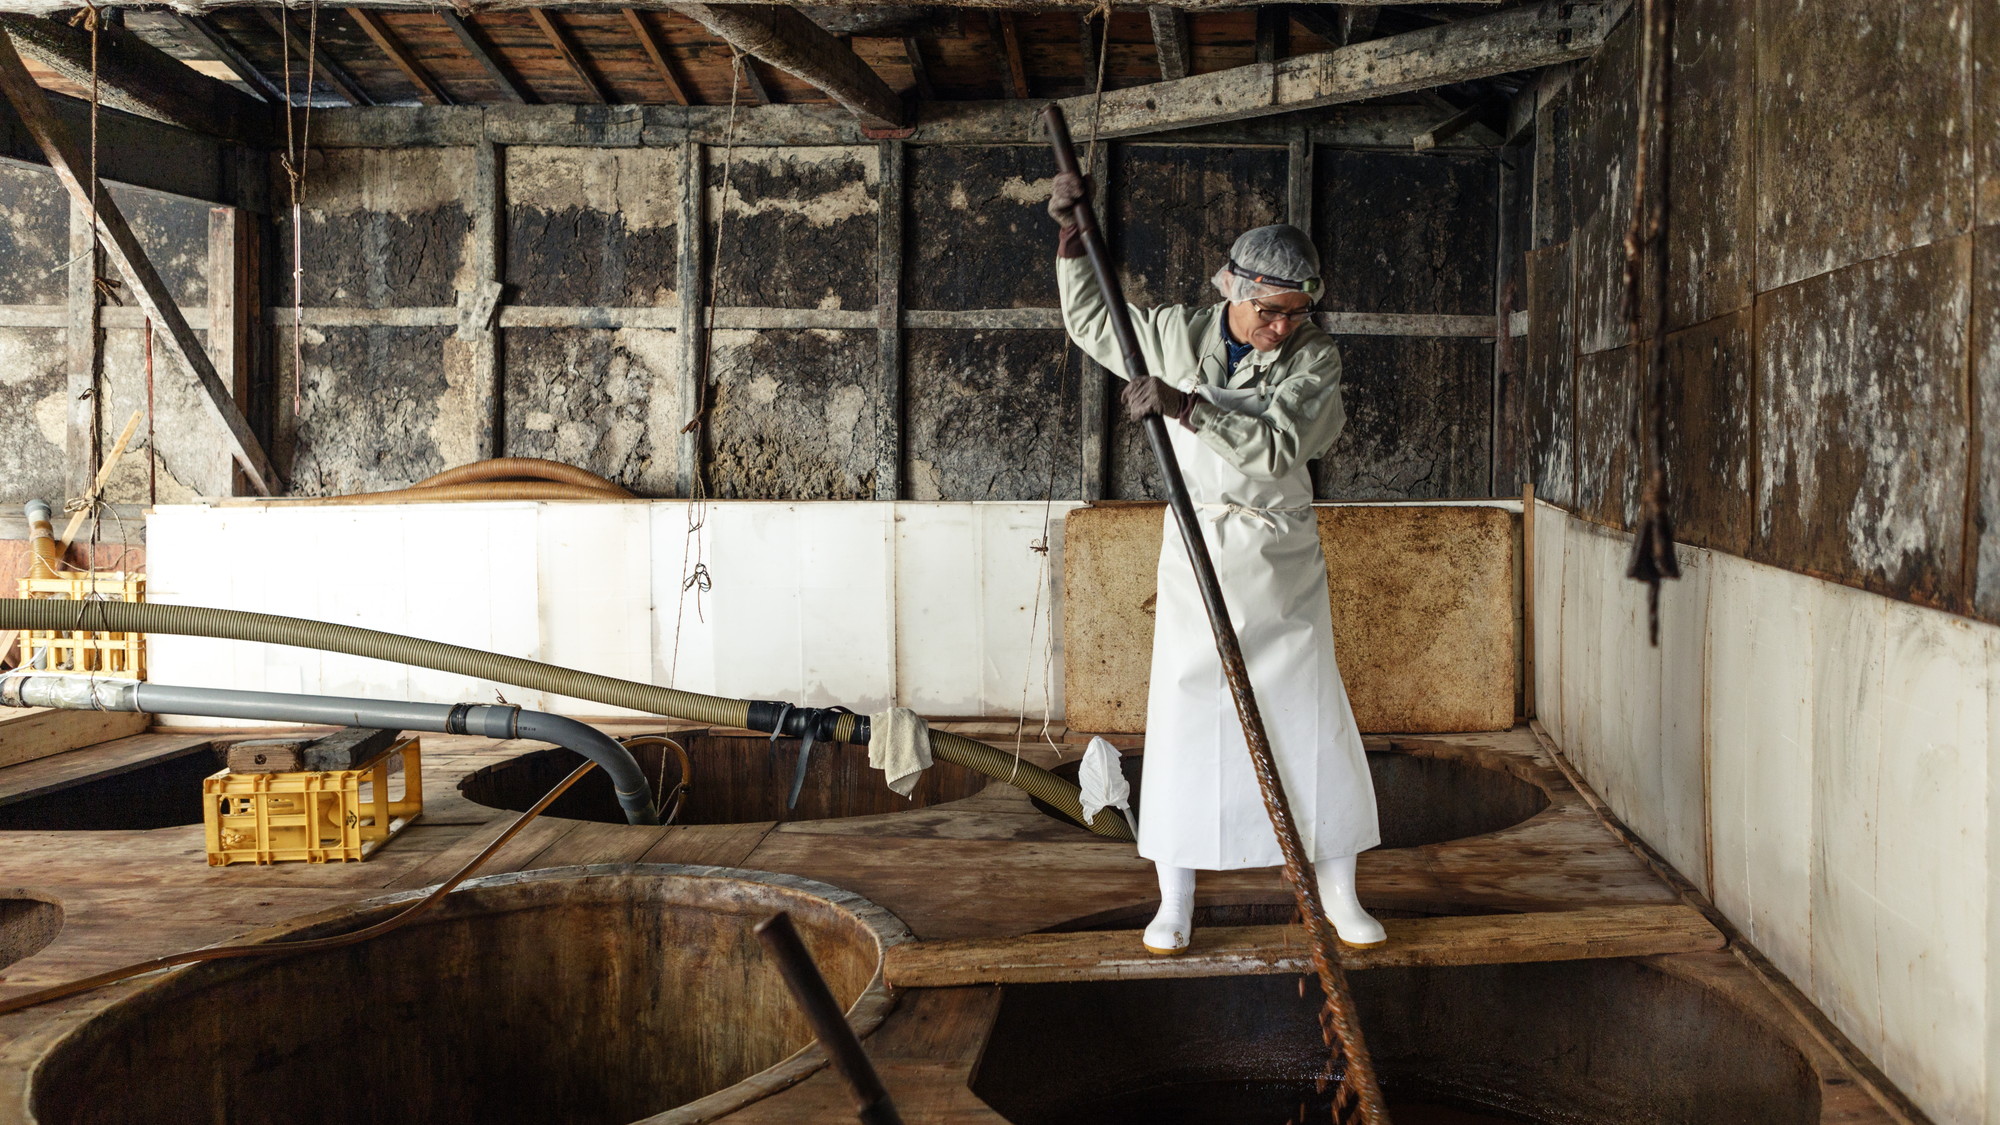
[[1646, 250], [1041, 616], [695, 578], [298, 139]]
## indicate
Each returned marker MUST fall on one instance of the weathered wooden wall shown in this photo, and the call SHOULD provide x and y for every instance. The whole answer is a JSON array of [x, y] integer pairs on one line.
[[884, 321], [1829, 319]]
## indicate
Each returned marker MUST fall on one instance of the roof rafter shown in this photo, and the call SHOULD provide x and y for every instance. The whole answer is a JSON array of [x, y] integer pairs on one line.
[[306, 46], [786, 39], [137, 77], [428, 91], [559, 39], [475, 46]]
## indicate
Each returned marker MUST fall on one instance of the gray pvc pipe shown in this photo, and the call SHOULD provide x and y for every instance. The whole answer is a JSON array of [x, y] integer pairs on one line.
[[85, 693]]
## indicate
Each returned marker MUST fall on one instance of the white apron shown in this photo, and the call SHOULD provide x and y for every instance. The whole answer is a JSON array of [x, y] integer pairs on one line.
[[1199, 802]]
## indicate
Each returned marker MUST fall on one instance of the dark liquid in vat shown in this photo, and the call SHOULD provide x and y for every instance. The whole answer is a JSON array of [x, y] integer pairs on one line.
[[1255, 1103]]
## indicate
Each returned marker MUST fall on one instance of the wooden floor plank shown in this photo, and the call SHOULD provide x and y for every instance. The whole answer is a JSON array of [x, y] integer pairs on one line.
[[1571, 935], [719, 845], [29, 733], [123, 755]]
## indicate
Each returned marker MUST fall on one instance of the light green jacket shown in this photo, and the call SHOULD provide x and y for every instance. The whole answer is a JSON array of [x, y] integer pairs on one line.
[[1297, 409]]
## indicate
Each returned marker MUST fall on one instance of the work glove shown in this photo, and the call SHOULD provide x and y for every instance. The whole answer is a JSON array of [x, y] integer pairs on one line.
[[1070, 189], [1153, 395]]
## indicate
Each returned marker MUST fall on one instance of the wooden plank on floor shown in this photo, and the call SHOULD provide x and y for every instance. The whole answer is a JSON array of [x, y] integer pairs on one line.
[[719, 845], [593, 842], [1571, 935], [60, 771], [28, 733]]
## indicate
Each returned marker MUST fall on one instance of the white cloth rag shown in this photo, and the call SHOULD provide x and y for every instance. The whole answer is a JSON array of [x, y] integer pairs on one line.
[[899, 744], [1103, 781]]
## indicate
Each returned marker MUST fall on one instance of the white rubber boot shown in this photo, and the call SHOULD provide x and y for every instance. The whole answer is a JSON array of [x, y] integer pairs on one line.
[[1343, 906], [1174, 924]]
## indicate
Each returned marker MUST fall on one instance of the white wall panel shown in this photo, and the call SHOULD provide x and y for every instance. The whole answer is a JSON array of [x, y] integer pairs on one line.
[[1825, 754], [848, 603], [1932, 880]]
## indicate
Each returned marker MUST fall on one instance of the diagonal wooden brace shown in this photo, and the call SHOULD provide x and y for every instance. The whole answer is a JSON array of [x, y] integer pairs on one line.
[[123, 249]]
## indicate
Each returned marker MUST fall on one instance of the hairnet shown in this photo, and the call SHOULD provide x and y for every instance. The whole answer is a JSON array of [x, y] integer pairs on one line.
[[1269, 261]]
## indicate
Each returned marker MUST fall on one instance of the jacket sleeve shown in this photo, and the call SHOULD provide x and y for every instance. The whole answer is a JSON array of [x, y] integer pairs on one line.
[[1302, 421], [1087, 317]]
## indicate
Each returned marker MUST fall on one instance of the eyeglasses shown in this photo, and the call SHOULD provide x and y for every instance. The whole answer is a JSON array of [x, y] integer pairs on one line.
[[1272, 316]]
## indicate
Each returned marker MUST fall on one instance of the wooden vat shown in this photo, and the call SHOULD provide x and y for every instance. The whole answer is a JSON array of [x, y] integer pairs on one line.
[[588, 995], [1661, 1041], [159, 791], [1422, 796], [28, 922], [737, 779]]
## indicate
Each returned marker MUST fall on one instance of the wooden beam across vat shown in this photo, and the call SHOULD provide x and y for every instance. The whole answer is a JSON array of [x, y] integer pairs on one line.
[[1217, 951]]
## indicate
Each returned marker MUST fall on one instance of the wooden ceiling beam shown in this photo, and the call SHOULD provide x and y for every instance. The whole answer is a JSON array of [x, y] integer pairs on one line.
[[137, 77], [1170, 39], [474, 45], [1014, 66], [656, 52], [786, 39], [315, 54], [1517, 39], [428, 91], [68, 161], [559, 39], [206, 34]]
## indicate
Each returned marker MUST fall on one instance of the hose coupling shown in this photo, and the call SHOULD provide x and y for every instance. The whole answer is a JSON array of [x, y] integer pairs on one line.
[[488, 720]]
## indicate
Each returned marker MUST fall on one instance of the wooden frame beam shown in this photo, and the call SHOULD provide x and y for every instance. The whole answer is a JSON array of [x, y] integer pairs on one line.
[[559, 39], [19, 88], [137, 77], [428, 91], [656, 52], [1517, 39], [1170, 40], [324, 65], [475, 46], [1014, 66], [788, 40]]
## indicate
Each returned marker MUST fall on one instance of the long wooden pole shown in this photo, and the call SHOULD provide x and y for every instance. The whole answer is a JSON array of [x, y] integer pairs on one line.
[[1359, 1089]]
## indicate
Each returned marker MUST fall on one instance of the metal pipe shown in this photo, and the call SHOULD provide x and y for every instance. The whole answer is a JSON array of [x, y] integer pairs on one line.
[[90, 693], [1344, 1030], [829, 1023]]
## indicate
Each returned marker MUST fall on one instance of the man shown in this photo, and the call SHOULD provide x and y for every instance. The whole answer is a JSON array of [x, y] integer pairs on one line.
[[1251, 390]]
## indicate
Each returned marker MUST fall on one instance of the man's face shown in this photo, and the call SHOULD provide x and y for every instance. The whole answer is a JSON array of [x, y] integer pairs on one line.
[[1265, 323]]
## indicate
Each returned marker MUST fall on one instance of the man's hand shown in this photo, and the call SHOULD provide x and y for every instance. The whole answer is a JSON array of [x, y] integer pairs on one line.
[[1069, 190], [1152, 395]]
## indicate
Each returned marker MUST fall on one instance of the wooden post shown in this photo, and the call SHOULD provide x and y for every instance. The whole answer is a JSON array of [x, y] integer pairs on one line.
[[889, 325], [1299, 180], [232, 307], [32, 106], [1528, 600], [85, 345], [693, 288], [479, 322]]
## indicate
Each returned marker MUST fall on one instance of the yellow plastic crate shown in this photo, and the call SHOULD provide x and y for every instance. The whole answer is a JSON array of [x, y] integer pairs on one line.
[[315, 817], [87, 653]]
